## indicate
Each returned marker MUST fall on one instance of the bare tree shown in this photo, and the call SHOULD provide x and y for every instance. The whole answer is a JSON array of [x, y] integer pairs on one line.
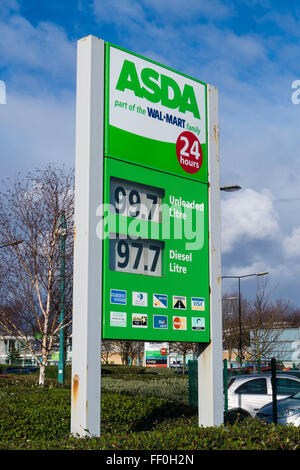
[[265, 322], [264, 335], [231, 323], [262, 323], [108, 347], [128, 350], [31, 209], [294, 319], [182, 348]]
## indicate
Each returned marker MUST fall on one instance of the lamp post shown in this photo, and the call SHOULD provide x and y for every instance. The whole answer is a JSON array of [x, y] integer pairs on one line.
[[240, 313], [63, 235]]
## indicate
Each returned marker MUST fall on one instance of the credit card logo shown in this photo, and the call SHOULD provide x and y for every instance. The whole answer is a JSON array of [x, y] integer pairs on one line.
[[198, 303], [140, 299], [160, 301]]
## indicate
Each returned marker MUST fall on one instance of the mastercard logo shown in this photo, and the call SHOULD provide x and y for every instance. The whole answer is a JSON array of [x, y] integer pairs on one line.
[[179, 323]]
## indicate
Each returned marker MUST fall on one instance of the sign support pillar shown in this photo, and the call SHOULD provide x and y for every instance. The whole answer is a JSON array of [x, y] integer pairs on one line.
[[87, 287], [210, 390]]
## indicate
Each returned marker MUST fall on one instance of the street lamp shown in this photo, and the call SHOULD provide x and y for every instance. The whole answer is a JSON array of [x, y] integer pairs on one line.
[[240, 313], [230, 188]]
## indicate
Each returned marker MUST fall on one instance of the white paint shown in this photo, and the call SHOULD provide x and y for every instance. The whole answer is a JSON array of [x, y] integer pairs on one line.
[[86, 340], [210, 365]]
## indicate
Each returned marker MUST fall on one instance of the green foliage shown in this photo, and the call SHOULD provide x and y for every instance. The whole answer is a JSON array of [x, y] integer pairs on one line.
[[31, 412], [32, 417], [131, 372], [124, 413], [172, 388], [186, 435], [52, 372]]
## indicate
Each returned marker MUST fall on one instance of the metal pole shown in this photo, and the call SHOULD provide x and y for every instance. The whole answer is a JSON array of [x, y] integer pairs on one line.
[[240, 326], [61, 362], [225, 384], [274, 389]]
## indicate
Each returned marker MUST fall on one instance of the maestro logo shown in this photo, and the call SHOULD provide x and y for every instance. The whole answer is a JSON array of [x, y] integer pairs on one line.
[[189, 152], [179, 323]]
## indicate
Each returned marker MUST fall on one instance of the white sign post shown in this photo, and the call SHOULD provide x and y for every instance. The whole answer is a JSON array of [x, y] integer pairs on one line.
[[87, 283], [210, 366]]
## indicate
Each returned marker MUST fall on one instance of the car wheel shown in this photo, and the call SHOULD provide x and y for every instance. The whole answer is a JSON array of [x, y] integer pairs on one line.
[[234, 416]]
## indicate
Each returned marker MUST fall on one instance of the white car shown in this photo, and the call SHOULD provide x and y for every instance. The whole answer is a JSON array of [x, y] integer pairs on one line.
[[248, 393]]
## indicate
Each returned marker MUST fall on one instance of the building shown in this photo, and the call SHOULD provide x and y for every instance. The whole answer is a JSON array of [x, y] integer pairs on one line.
[[281, 343], [13, 351]]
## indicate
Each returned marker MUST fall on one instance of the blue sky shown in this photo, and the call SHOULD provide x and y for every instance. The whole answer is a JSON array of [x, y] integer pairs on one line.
[[248, 49]]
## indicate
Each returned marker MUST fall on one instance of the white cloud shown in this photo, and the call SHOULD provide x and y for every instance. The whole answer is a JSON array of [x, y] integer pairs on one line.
[[35, 131], [250, 215], [291, 244], [41, 48], [214, 9], [120, 12], [38, 119]]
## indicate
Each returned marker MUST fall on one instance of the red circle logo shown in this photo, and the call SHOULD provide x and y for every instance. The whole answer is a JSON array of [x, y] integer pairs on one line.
[[189, 152], [177, 323], [163, 351]]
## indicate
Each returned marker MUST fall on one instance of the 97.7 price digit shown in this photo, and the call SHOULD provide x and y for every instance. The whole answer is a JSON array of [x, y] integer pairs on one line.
[[137, 256]]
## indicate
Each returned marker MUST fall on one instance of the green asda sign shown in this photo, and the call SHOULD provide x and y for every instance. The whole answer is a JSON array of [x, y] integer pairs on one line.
[[155, 218], [155, 117]]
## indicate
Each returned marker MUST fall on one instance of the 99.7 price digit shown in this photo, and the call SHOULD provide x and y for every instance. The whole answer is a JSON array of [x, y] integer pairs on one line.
[[135, 200]]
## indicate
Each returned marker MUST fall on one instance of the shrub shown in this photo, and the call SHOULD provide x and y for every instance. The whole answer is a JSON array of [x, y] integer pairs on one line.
[[39, 418], [32, 412], [125, 413], [172, 388]]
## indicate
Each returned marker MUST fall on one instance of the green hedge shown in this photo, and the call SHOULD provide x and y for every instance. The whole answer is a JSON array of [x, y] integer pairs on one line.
[[250, 435], [171, 388], [39, 418], [28, 411]]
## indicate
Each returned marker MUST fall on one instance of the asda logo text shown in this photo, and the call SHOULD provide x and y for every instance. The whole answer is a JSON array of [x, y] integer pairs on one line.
[[158, 88]]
